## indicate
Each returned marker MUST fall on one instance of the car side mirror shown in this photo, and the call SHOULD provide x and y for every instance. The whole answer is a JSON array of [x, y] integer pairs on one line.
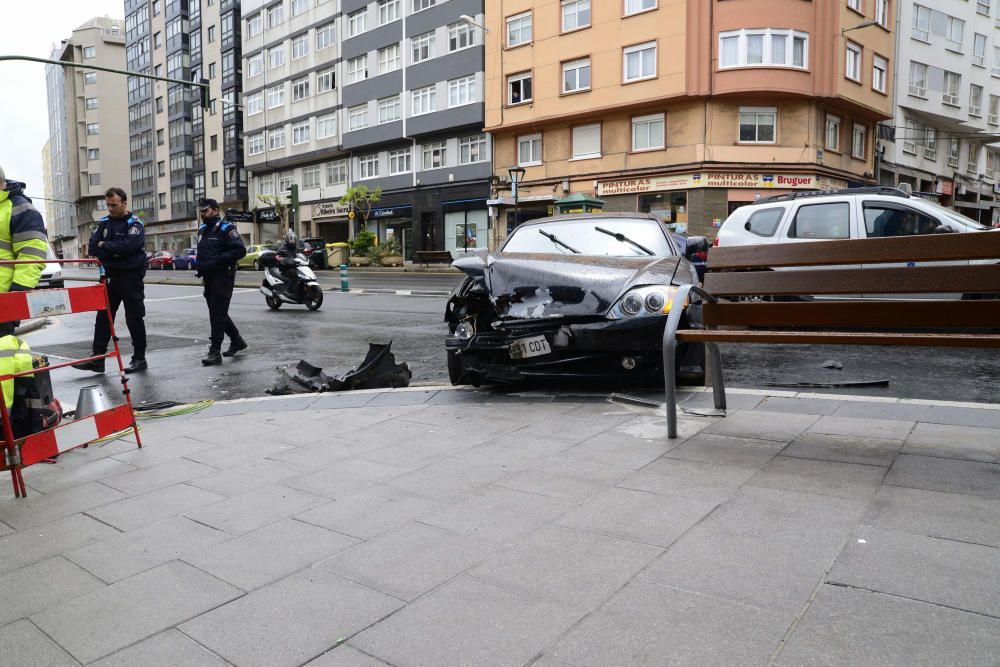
[[696, 244]]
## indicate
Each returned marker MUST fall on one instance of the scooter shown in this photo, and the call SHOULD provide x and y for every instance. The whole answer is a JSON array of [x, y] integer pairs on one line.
[[297, 286]]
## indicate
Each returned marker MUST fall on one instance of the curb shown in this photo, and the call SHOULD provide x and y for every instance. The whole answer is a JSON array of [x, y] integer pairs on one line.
[[31, 325]]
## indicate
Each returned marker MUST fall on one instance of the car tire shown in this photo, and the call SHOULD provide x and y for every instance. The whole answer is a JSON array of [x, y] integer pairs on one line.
[[456, 370], [256, 265]]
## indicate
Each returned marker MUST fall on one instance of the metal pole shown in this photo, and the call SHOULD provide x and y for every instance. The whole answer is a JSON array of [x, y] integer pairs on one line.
[[343, 278]]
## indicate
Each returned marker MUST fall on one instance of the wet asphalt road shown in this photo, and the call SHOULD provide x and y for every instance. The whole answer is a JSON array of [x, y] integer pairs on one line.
[[336, 338]]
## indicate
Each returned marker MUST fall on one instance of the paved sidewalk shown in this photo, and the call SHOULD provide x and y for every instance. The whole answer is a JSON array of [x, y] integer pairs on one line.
[[462, 527]]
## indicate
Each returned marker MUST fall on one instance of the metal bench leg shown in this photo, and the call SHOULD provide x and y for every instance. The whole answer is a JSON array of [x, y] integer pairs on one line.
[[714, 360], [670, 381]]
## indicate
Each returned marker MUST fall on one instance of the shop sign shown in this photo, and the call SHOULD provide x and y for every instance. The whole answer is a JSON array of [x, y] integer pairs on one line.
[[238, 216], [329, 209], [267, 215], [753, 181], [383, 213]]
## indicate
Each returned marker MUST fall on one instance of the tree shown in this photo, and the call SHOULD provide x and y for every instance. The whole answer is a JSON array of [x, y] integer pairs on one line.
[[280, 206], [361, 198]]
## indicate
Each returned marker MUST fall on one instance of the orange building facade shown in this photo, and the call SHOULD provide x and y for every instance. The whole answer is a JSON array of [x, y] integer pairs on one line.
[[684, 108]]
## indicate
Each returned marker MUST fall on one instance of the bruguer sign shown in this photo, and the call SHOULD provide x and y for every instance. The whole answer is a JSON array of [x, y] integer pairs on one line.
[[708, 180]]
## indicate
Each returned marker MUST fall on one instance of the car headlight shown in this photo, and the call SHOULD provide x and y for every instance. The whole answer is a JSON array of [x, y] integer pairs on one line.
[[647, 301]]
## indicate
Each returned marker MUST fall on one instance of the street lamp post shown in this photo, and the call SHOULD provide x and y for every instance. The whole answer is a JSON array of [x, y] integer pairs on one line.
[[516, 174]]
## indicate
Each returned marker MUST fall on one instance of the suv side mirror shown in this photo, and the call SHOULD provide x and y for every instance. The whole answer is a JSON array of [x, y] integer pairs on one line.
[[696, 244]]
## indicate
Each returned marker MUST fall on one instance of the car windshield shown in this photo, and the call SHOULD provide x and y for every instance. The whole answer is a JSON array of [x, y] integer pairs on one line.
[[582, 235], [954, 216]]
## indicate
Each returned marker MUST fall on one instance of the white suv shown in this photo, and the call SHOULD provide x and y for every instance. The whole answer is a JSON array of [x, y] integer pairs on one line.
[[854, 213]]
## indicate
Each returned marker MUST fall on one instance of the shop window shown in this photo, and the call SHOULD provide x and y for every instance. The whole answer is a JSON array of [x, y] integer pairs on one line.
[[670, 207]]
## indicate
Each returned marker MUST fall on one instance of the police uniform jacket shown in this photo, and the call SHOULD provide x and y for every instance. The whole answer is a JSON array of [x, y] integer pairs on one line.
[[124, 243], [220, 246]]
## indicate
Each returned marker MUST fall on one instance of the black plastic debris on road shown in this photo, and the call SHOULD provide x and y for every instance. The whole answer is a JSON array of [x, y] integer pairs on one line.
[[379, 370]]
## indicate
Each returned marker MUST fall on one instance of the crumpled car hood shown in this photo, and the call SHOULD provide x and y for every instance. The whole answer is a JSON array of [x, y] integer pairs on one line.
[[536, 285]]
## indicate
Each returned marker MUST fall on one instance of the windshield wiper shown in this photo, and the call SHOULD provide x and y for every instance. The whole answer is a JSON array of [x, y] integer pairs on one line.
[[624, 239], [552, 237]]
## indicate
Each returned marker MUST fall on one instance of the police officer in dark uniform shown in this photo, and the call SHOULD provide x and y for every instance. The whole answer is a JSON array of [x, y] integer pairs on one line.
[[119, 241], [220, 246]]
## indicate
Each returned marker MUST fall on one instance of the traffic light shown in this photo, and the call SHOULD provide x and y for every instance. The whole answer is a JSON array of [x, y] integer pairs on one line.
[[206, 100], [293, 207]]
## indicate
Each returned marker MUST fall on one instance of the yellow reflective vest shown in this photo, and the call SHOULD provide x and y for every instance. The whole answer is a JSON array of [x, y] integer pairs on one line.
[[22, 237], [15, 357]]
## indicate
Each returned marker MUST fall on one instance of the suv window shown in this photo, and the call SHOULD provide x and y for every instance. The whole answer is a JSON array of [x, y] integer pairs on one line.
[[822, 221], [765, 223], [893, 220]]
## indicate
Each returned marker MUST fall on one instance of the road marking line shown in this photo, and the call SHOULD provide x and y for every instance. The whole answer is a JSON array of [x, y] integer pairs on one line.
[[193, 296]]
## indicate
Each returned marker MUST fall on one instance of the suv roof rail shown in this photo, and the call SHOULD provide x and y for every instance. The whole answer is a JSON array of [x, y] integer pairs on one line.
[[870, 190]]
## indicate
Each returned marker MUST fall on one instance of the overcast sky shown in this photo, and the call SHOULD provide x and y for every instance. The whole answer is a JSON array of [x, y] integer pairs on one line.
[[32, 28]]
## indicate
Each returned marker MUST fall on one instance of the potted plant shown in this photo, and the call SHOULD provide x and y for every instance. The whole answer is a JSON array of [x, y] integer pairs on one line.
[[389, 253], [361, 247]]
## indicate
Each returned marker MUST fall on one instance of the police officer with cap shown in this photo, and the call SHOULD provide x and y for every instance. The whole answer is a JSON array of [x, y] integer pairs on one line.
[[220, 246]]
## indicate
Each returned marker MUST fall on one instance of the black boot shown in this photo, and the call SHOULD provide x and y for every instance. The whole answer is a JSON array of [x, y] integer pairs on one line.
[[213, 358], [234, 347], [95, 366], [137, 364]]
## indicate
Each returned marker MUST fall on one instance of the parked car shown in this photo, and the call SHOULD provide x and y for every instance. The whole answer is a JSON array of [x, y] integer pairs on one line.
[[313, 249], [252, 259], [161, 259], [186, 259], [698, 260], [581, 296], [52, 275]]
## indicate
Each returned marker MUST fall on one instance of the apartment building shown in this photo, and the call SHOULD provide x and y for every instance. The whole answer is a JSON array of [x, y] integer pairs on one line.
[[412, 98], [86, 109], [178, 151], [684, 108], [947, 98], [291, 107]]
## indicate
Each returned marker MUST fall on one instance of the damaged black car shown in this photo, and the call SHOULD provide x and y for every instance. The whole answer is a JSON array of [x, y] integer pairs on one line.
[[573, 296]]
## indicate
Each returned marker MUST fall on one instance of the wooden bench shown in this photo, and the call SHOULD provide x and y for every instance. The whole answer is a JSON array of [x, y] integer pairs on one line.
[[745, 300], [425, 257]]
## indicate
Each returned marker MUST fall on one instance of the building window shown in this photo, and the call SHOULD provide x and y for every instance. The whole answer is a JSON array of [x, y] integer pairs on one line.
[[519, 29], [92, 103], [255, 25], [310, 177], [983, 7], [300, 7], [276, 138], [357, 117], [255, 144], [326, 80], [211, 70], [880, 71], [852, 68], [529, 150], [215, 179], [255, 65], [276, 96], [326, 126], [356, 22], [462, 91], [519, 88], [421, 5], [765, 47], [459, 36], [388, 11], [89, 52], [952, 82], [918, 79], [211, 33], [921, 23], [95, 153], [979, 50], [265, 186], [368, 166], [975, 100], [159, 137], [388, 110], [858, 141], [300, 132], [882, 13], [575, 14], [832, 133], [955, 31], [587, 142], [854, 4], [300, 89], [95, 179], [89, 78], [388, 59], [255, 104], [636, 6], [972, 165], [357, 69], [214, 142], [422, 46], [399, 161], [930, 143], [325, 35], [94, 129], [994, 117], [639, 62], [300, 46], [576, 75], [424, 100], [757, 125], [435, 155], [336, 172], [910, 137], [647, 132], [162, 198], [276, 56], [954, 149], [472, 149], [275, 15]]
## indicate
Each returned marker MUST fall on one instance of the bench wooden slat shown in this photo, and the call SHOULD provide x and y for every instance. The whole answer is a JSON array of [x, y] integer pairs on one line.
[[903, 280], [925, 248], [839, 338], [915, 314]]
